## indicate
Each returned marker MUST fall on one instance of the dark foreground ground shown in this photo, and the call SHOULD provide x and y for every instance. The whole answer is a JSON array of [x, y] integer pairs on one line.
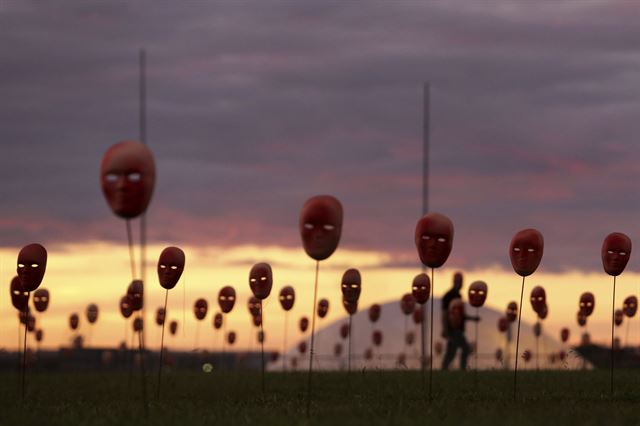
[[371, 398]]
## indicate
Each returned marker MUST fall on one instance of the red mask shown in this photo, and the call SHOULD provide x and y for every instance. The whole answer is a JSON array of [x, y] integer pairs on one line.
[[170, 267], [368, 354], [587, 303], [173, 327], [544, 311], [537, 329], [323, 308], [538, 298], [127, 175], [377, 338], [19, 297], [351, 308], [24, 315], [351, 285], [302, 347], [31, 323], [217, 320], [226, 299], [418, 316], [582, 319], [407, 304], [512, 311], [337, 349], [320, 226], [261, 280], [525, 251], [616, 250], [74, 321], [409, 338], [421, 288], [374, 312], [138, 325], [161, 315], [231, 337], [257, 321], [478, 293], [630, 306], [503, 324], [200, 309], [344, 331], [32, 263], [456, 314], [287, 297], [135, 293], [437, 347], [618, 316], [125, 308], [254, 306], [564, 335], [304, 324], [434, 239], [41, 299], [92, 313]]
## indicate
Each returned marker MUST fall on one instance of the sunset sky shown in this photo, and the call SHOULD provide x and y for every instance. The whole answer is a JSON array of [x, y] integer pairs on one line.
[[253, 107]]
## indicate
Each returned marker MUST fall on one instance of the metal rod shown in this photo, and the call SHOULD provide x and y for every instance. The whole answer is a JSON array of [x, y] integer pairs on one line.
[[313, 328], [515, 371]]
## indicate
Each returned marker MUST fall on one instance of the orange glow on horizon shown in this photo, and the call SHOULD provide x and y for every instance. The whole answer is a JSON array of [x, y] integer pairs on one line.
[[98, 272]]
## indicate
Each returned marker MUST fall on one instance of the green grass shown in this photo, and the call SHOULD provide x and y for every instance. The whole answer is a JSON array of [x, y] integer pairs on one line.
[[371, 398]]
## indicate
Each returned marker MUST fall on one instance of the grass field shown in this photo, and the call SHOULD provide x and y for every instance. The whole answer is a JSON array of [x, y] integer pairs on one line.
[[371, 398]]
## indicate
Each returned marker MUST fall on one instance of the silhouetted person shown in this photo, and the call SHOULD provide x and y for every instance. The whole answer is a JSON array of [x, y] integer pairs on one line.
[[453, 324]]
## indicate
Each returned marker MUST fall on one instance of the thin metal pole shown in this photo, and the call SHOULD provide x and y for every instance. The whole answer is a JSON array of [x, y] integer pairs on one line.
[[349, 359], [143, 217], [166, 296], [426, 110], [613, 315], [284, 342], [431, 337], [132, 259], [24, 350], [515, 372], [423, 358], [313, 328], [262, 345]]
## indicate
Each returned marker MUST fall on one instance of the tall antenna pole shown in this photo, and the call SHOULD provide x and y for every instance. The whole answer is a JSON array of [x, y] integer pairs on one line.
[[425, 150], [143, 219]]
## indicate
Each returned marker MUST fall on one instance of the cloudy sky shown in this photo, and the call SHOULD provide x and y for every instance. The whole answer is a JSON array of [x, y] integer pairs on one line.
[[255, 106]]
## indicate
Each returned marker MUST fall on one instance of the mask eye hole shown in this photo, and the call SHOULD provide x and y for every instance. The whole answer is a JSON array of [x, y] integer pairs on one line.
[[442, 240], [426, 237], [253, 280], [20, 265], [610, 251], [34, 265], [516, 249], [111, 178], [162, 267], [174, 267], [308, 226], [329, 227], [231, 297], [263, 278], [530, 250], [134, 177], [622, 253]]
